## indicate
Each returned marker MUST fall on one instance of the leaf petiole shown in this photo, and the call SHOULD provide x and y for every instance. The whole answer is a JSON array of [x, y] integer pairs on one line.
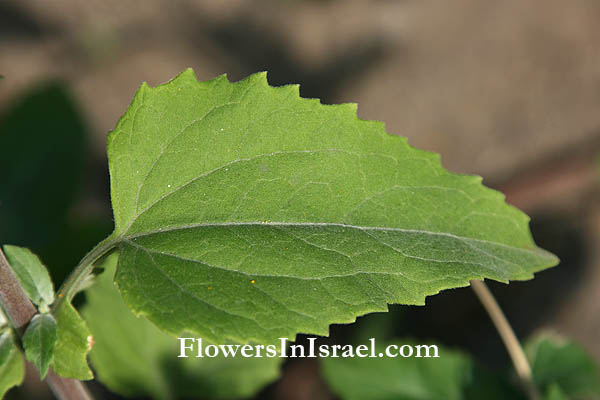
[[77, 280]]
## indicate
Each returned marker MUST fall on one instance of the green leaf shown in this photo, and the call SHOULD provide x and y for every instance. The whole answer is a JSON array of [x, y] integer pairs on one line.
[[12, 364], [39, 342], [133, 357], [74, 343], [245, 212], [32, 275], [561, 366], [451, 376]]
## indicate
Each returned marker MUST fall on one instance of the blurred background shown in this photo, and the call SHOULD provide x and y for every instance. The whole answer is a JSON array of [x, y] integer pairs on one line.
[[507, 90]]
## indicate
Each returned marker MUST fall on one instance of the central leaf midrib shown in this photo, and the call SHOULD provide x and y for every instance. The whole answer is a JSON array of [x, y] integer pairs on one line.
[[263, 275], [324, 225]]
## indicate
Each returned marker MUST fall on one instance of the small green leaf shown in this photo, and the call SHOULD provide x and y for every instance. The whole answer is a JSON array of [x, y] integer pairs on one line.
[[32, 275], [74, 343], [39, 342], [12, 364], [561, 366], [245, 212], [132, 357]]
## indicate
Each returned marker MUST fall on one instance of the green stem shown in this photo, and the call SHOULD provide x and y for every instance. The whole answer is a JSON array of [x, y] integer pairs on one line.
[[74, 282]]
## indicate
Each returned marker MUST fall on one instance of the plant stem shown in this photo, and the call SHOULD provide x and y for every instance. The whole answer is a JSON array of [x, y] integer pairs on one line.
[[15, 303], [73, 283], [20, 310], [515, 351], [67, 389]]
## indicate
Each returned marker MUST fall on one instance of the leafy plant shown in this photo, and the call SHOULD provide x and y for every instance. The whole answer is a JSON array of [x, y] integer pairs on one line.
[[244, 213]]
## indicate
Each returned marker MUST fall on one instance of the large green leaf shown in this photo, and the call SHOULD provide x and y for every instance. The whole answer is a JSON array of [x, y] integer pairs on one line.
[[39, 342], [12, 364], [32, 275], [243, 211], [561, 367], [133, 357]]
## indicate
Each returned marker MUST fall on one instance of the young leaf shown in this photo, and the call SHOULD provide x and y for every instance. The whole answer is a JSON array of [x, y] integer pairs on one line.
[[32, 275], [134, 358], [560, 366], [12, 365], [39, 342], [245, 212], [74, 343]]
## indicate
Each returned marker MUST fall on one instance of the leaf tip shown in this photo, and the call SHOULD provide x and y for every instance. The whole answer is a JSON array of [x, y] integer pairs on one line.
[[551, 259], [43, 372]]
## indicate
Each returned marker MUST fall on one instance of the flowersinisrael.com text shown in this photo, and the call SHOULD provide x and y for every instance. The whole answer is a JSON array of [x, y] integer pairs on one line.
[[195, 347]]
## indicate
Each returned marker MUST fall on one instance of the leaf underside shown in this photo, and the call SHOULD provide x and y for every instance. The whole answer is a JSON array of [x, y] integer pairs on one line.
[[245, 212]]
